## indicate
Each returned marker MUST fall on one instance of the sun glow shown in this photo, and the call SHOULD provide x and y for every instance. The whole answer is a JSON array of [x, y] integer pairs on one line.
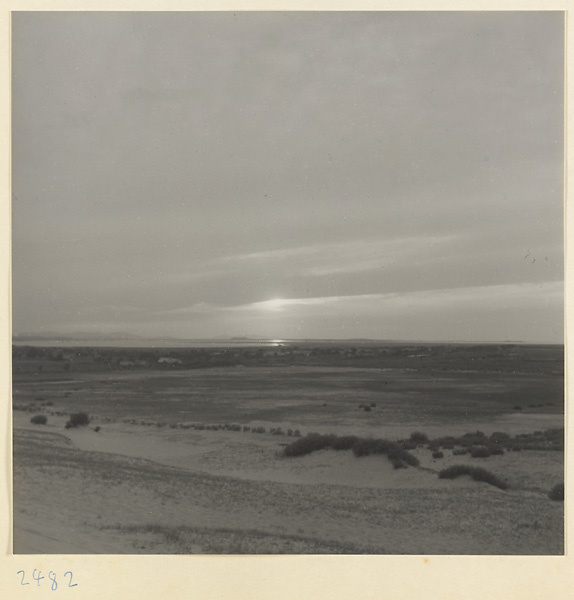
[[276, 304]]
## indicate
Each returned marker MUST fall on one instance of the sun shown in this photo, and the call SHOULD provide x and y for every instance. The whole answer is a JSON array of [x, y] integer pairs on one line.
[[276, 304]]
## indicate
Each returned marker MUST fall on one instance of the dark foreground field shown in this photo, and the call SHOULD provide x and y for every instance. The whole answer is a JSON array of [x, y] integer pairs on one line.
[[188, 456]]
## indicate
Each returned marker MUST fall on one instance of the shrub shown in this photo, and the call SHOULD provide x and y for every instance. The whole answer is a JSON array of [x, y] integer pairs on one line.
[[398, 456], [408, 445], [557, 493], [473, 439], [477, 473], [460, 451], [437, 454], [366, 446], [97, 428], [78, 420], [310, 443], [39, 419], [418, 437], [367, 408], [345, 442], [479, 452], [517, 407]]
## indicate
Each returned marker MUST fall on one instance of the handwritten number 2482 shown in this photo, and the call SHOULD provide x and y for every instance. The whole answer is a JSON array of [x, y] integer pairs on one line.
[[37, 577]]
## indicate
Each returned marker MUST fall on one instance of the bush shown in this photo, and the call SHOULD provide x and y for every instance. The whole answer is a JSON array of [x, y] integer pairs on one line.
[[479, 452], [39, 419], [97, 428], [418, 437], [80, 419], [310, 443], [460, 451], [437, 454], [477, 473], [345, 442], [499, 437], [398, 456], [557, 493]]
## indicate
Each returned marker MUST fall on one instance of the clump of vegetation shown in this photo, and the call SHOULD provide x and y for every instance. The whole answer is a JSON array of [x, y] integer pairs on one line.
[[97, 428], [557, 493], [309, 443], [479, 452], [418, 437], [344, 442], [80, 419], [398, 456], [437, 454], [477, 473], [39, 419], [498, 442], [498, 437]]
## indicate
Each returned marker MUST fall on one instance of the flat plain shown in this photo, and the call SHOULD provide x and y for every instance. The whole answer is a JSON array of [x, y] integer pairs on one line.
[[187, 449]]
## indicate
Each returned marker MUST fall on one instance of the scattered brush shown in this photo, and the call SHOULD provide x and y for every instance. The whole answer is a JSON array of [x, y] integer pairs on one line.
[[398, 456], [477, 473], [496, 444]]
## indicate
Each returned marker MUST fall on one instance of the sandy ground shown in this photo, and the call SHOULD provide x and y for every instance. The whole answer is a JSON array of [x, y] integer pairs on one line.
[[135, 489]]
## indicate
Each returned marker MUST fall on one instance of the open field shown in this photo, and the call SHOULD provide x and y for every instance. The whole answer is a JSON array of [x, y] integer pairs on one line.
[[190, 458]]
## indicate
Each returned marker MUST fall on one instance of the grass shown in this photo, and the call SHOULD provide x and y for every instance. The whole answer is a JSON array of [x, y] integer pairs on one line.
[[313, 442], [477, 473]]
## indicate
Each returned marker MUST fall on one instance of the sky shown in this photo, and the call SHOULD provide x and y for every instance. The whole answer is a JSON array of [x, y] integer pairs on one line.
[[289, 175]]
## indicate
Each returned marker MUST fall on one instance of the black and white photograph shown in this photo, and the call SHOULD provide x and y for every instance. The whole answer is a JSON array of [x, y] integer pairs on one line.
[[288, 283]]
